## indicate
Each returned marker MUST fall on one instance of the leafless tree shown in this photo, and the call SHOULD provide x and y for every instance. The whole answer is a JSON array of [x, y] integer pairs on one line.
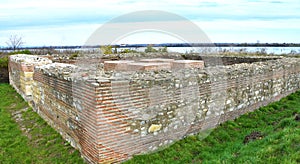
[[15, 42]]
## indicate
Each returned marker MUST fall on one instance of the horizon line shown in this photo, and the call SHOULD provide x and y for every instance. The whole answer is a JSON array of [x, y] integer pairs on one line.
[[162, 45]]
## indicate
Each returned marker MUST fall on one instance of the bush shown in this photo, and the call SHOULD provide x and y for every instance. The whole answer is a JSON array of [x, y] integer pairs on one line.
[[20, 52], [106, 49], [150, 49], [128, 51], [4, 61], [74, 55], [164, 49]]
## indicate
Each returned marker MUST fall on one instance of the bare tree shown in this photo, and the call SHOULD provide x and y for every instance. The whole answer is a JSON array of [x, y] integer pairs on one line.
[[14, 42]]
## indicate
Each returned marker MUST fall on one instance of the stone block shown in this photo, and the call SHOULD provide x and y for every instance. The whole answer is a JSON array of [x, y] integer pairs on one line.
[[154, 128], [157, 60], [27, 67], [140, 66], [118, 65], [179, 64], [28, 74]]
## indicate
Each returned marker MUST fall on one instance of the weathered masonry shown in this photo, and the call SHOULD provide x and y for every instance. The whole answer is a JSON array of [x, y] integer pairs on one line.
[[128, 107]]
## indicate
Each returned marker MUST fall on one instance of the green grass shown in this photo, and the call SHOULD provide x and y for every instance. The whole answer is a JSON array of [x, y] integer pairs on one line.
[[280, 142], [29, 139], [39, 143]]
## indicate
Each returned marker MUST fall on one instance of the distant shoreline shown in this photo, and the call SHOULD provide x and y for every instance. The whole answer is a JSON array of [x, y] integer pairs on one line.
[[165, 45]]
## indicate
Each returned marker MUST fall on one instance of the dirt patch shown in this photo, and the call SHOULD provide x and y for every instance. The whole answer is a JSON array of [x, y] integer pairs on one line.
[[297, 117], [18, 117], [253, 136]]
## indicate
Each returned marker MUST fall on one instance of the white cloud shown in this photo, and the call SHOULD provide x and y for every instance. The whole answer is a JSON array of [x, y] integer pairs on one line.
[[52, 36], [242, 20]]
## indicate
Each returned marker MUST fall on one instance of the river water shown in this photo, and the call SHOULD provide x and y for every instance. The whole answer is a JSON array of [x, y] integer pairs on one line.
[[268, 50]]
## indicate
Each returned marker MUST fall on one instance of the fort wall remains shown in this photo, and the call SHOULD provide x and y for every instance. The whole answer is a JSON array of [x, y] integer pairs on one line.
[[130, 107]]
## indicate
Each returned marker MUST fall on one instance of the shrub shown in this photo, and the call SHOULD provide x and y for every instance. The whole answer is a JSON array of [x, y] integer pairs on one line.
[[106, 49], [20, 52], [164, 49], [74, 56], [150, 49], [128, 51], [4, 61]]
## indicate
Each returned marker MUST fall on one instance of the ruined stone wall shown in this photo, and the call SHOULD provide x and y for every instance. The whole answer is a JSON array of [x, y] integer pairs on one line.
[[133, 107], [163, 106], [56, 100], [211, 60], [21, 72]]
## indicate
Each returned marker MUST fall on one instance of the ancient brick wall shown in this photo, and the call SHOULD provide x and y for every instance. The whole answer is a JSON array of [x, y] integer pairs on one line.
[[56, 100], [133, 107], [21, 72]]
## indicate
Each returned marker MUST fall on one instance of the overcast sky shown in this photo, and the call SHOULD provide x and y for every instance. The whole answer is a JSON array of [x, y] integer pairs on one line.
[[71, 22]]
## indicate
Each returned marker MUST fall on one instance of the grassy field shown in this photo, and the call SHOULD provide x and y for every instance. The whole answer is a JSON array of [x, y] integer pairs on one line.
[[26, 138], [268, 135]]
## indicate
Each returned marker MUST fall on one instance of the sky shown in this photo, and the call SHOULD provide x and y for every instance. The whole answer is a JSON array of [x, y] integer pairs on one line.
[[72, 22]]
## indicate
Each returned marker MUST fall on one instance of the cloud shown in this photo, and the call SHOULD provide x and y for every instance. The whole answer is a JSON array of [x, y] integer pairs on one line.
[[252, 30], [52, 36], [218, 16]]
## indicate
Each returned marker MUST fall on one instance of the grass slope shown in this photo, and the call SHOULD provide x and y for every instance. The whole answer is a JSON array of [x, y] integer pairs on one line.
[[279, 141], [26, 138]]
